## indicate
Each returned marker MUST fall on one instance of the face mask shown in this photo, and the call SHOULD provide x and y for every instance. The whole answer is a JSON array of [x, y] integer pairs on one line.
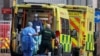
[[36, 19]]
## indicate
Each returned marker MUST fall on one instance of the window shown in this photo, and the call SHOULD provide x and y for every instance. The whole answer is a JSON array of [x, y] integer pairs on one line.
[[90, 26], [69, 2], [65, 26]]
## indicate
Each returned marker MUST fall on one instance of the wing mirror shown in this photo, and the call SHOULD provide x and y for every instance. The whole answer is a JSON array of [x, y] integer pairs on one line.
[[74, 33]]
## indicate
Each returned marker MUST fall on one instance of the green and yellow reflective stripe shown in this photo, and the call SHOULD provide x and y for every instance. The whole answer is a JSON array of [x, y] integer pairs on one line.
[[91, 46], [88, 46], [62, 38], [64, 48], [89, 38], [89, 43], [92, 42], [67, 47], [66, 39]]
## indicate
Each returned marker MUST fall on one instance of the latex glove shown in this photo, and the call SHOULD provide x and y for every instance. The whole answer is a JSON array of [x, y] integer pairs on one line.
[[34, 42], [57, 39], [29, 34]]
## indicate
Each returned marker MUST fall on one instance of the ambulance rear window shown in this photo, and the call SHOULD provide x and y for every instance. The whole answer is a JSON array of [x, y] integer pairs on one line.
[[65, 26], [90, 26]]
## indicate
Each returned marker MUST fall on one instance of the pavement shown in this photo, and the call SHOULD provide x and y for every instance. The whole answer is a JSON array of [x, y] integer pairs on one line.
[[5, 54]]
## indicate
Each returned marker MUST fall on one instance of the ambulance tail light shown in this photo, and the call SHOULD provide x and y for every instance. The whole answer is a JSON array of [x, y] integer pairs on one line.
[[57, 38]]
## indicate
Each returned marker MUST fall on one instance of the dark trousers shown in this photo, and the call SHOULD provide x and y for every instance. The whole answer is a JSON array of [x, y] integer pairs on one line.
[[45, 45], [95, 51], [75, 51]]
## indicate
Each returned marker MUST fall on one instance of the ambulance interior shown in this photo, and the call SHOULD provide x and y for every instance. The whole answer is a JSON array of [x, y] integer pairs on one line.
[[25, 15], [28, 15]]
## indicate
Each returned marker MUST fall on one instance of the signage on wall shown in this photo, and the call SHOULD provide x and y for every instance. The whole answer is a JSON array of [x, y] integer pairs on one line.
[[6, 10]]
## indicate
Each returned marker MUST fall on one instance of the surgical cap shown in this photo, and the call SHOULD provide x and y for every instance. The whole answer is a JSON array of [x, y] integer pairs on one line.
[[30, 24]]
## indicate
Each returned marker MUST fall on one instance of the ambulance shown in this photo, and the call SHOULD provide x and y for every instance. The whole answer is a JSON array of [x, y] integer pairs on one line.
[[81, 20], [56, 16]]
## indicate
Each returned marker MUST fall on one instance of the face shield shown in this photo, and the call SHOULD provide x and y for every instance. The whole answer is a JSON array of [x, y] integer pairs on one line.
[[36, 17]]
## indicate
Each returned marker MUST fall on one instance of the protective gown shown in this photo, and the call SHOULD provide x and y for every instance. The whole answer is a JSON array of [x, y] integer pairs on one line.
[[27, 40]]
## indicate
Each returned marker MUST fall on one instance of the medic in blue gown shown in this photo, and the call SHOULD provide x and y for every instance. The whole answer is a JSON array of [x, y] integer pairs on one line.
[[27, 40]]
